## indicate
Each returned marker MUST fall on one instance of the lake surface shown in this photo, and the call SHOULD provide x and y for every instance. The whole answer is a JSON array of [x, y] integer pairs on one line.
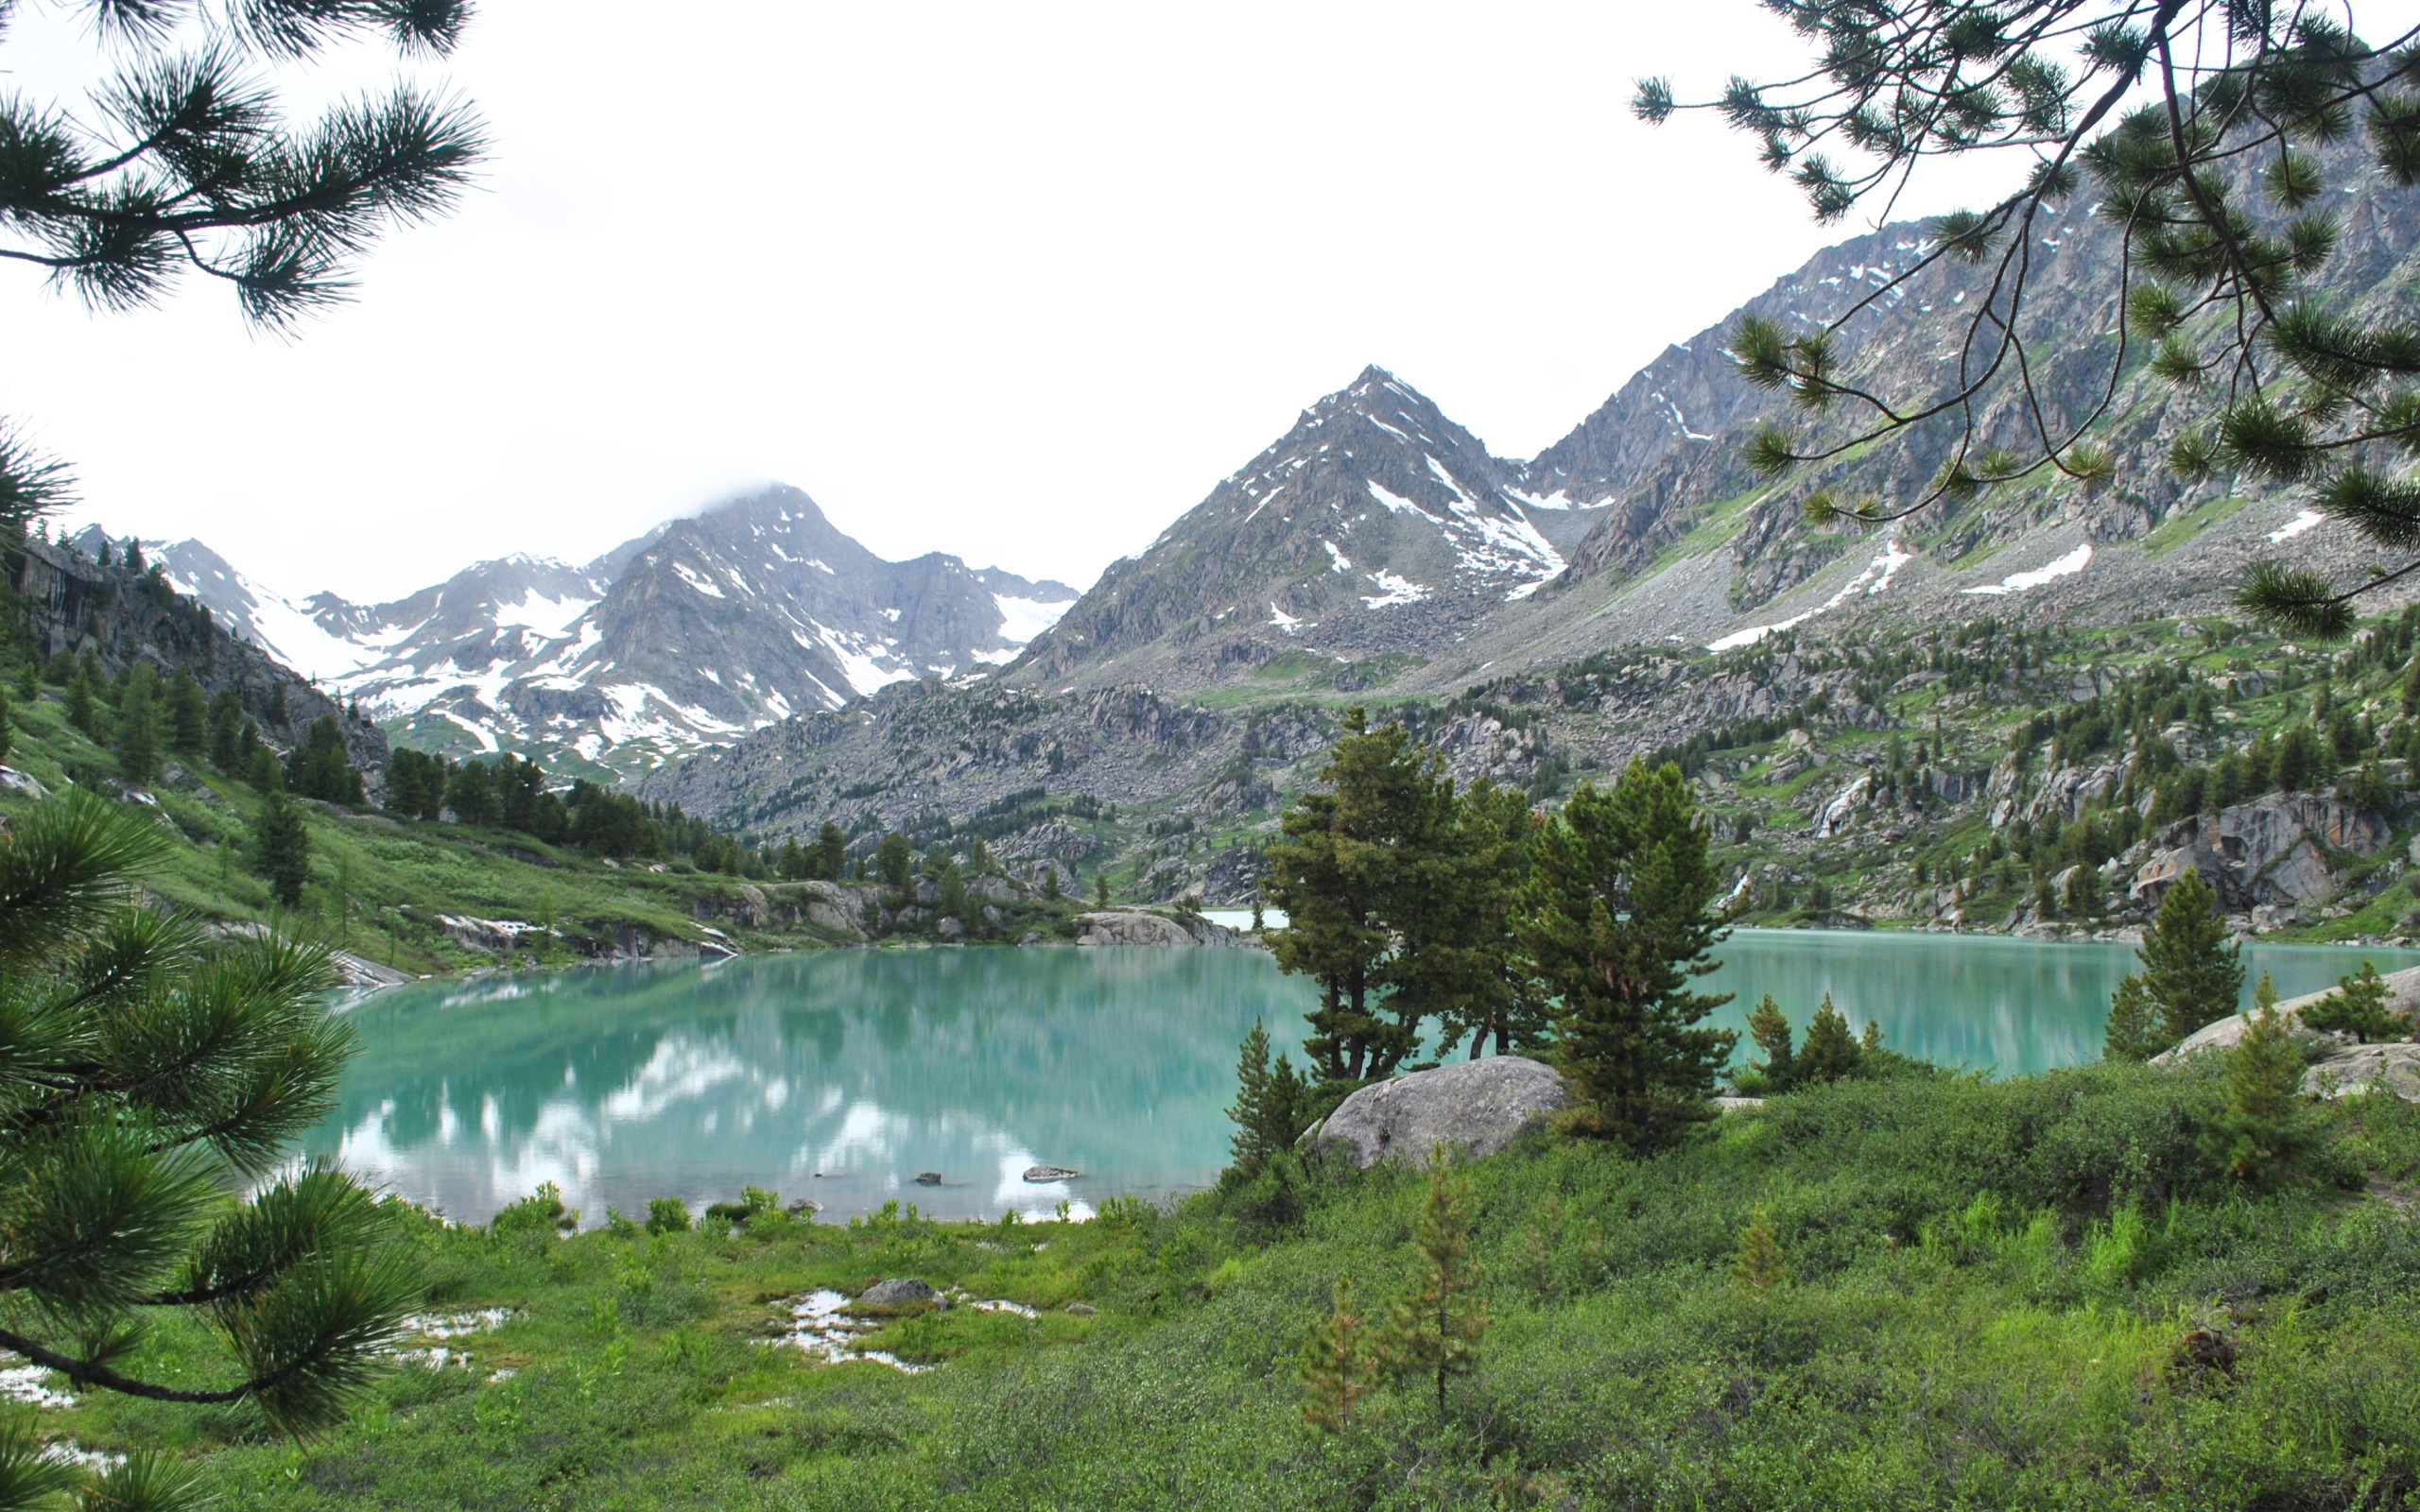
[[841, 1075]]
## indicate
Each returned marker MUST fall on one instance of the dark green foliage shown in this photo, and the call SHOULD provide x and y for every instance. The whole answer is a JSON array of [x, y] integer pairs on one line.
[[226, 745], [1272, 1104], [524, 801], [138, 725], [2191, 974], [2263, 1128], [148, 1072], [1398, 896], [1617, 921], [83, 707], [1769, 1027], [188, 715], [276, 712], [415, 783], [282, 848], [2362, 1006], [2137, 1029], [892, 861], [1101, 890], [607, 823], [261, 767], [8, 727], [1830, 1051], [831, 851], [471, 793], [319, 767]]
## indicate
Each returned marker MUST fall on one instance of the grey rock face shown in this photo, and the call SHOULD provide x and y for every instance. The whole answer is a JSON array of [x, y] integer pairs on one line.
[[897, 1292], [2271, 852], [1482, 1106]]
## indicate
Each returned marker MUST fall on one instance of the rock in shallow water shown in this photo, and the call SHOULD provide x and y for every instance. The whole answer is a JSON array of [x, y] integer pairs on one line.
[[1480, 1105], [1050, 1173]]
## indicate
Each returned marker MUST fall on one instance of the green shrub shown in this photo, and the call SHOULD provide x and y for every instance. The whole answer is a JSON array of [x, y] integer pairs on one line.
[[667, 1215]]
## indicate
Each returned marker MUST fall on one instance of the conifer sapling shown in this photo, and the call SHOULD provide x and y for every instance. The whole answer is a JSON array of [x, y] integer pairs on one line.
[[1340, 1363], [1759, 1265], [1436, 1326]]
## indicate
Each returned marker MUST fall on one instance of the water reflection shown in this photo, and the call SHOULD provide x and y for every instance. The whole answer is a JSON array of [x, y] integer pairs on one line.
[[841, 1076], [2009, 1005], [834, 1076]]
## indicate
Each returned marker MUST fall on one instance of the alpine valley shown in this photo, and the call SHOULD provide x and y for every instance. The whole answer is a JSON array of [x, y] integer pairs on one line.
[[1866, 709]]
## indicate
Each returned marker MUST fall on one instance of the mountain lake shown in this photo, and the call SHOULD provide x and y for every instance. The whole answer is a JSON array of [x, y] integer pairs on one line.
[[841, 1075]]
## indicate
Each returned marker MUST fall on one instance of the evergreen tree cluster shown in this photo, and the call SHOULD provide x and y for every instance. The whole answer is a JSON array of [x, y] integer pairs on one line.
[[1420, 908]]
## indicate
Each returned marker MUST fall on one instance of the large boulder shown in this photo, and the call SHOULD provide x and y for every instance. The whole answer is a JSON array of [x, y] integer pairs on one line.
[[1482, 1106], [1135, 926], [2227, 1032]]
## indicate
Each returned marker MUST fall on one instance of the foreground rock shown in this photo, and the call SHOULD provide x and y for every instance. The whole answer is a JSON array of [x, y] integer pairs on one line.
[[1482, 1106], [898, 1292]]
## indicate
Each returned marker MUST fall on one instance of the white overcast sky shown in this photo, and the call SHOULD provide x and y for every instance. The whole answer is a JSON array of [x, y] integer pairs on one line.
[[1020, 282]]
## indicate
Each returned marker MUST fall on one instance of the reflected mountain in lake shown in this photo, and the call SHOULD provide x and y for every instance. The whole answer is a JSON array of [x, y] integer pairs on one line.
[[866, 1066], [839, 1075]]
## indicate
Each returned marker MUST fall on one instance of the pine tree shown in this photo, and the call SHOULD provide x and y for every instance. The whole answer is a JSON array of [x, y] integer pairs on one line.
[[1049, 882], [1101, 890], [2215, 140], [2262, 1128], [1617, 921], [2191, 974], [227, 732], [138, 727], [1759, 1265], [7, 728], [83, 709], [188, 714], [1340, 1363], [1830, 1051], [262, 770], [893, 859], [121, 1174], [1770, 1028], [831, 852], [1435, 1329], [2137, 1030], [1363, 866], [282, 848], [1271, 1103], [2362, 1006], [276, 713]]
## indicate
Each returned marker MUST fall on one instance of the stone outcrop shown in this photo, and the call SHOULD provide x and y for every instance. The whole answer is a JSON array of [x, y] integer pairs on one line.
[[1480, 1106], [1134, 926], [2341, 1069], [2277, 851]]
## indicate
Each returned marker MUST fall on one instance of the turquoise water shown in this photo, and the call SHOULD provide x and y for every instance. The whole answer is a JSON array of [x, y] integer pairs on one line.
[[839, 1075]]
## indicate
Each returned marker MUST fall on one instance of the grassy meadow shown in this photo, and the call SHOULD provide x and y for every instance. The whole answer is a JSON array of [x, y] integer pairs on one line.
[[2031, 1293]]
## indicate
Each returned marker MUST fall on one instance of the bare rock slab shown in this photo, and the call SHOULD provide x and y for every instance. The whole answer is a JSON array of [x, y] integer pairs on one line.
[[1482, 1106]]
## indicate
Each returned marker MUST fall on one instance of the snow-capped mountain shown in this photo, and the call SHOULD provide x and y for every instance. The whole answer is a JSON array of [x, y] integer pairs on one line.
[[689, 635], [1375, 521]]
